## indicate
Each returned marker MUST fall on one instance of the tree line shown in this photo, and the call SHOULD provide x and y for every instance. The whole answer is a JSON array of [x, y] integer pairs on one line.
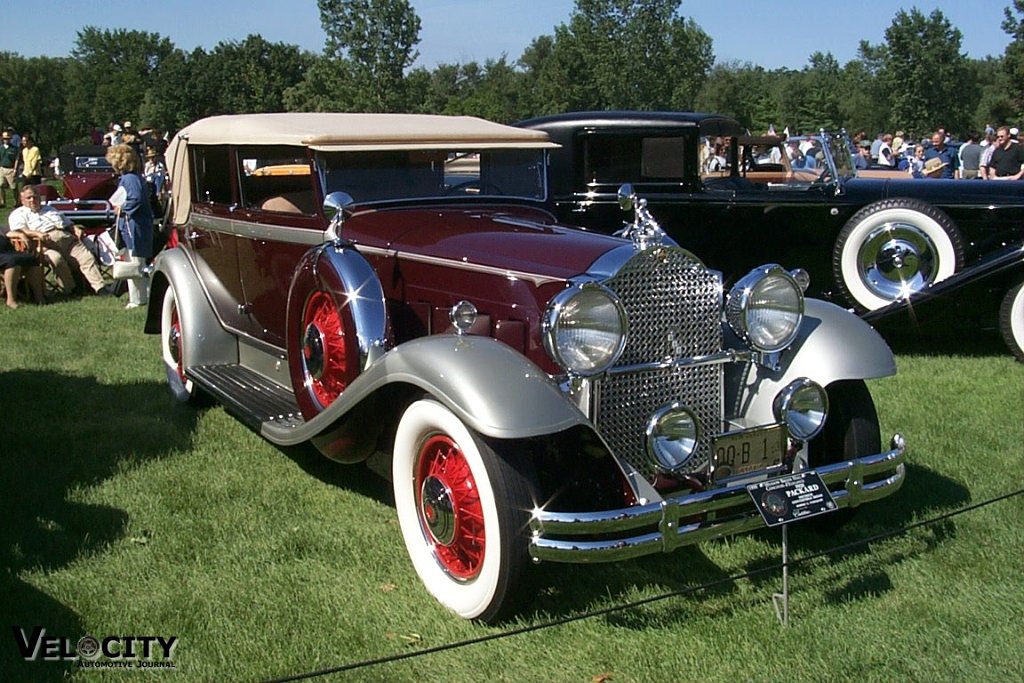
[[611, 54]]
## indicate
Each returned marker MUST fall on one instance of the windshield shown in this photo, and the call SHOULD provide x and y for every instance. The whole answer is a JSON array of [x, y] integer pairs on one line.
[[394, 175]]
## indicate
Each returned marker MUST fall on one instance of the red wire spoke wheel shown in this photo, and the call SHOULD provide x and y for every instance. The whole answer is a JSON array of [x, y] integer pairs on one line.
[[449, 505], [463, 509], [324, 349]]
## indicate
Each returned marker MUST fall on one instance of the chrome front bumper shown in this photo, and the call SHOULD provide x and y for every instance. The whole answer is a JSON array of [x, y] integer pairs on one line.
[[665, 526], [85, 210]]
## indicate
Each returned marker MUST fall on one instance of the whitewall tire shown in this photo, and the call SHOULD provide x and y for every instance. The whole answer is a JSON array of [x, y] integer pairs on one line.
[[892, 249], [172, 349], [1011, 320], [463, 511]]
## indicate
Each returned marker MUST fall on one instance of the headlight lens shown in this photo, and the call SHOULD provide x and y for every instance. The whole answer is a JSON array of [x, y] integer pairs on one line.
[[803, 406], [585, 329], [673, 433], [765, 308]]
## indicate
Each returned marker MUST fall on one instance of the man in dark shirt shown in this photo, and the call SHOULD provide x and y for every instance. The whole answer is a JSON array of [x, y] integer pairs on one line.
[[1007, 161], [939, 151]]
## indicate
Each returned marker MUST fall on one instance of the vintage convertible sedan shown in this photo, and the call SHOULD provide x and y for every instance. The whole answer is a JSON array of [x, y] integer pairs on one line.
[[866, 238], [393, 285]]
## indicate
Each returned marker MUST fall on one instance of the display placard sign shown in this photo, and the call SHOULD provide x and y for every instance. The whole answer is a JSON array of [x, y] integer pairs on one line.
[[795, 496]]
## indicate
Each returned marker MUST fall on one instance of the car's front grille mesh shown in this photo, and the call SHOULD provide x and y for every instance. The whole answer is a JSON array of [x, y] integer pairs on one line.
[[674, 308]]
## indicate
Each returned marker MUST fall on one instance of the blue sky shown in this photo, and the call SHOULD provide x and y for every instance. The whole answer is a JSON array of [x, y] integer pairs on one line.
[[772, 34]]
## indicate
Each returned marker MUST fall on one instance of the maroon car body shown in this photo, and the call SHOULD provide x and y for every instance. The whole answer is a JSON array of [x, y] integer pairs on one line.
[[393, 285], [89, 181]]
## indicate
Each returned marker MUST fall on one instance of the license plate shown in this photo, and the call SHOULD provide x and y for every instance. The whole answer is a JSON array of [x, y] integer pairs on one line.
[[751, 450]]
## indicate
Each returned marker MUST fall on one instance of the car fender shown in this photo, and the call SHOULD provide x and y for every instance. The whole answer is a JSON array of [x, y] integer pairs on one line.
[[491, 387], [832, 345], [206, 340]]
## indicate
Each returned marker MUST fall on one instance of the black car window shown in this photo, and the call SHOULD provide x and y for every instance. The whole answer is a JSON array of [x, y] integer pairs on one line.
[[612, 159], [211, 171]]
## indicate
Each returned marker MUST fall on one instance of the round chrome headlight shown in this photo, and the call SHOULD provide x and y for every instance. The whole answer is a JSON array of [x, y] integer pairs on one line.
[[803, 406], [673, 433], [765, 308], [585, 329]]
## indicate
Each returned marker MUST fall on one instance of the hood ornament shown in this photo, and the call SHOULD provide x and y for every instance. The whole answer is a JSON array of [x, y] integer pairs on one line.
[[644, 231]]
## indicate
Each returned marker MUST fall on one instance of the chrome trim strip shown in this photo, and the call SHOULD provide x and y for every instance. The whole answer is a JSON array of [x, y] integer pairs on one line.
[[662, 519], [259, 231], [533, 278]]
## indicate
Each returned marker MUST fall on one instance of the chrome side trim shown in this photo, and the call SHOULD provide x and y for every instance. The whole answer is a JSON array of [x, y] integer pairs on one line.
[[660, 526], [533, 278], [259, 231]]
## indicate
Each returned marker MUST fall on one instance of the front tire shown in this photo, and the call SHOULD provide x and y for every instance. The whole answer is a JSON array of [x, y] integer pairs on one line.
[[851, 431], [1011, 320], [463, 511], [893, 248]]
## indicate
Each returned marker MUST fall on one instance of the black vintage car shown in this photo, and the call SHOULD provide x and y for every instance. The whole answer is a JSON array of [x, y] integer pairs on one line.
[[868, 238]]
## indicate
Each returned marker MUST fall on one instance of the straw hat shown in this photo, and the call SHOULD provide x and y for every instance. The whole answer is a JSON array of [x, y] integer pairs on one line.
[[933, 166]]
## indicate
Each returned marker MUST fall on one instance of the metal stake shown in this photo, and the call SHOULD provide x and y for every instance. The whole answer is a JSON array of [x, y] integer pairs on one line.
[[782, 613]]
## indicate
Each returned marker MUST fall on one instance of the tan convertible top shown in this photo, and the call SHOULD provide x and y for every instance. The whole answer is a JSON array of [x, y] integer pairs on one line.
[[364, 131], [340, 132]]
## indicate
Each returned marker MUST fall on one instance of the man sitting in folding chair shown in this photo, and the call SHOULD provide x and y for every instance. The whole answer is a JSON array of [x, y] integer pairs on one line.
[[61, 242]]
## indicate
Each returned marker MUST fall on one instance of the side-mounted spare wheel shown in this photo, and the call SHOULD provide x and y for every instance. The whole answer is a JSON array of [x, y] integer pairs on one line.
[[1011, 320], [336, 324], [893, 248]]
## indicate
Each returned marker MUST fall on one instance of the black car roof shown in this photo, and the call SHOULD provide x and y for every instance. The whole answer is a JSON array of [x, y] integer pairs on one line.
[[708, 124]]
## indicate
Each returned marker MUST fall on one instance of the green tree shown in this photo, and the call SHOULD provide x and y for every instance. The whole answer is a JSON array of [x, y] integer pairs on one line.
[[922, 76], [1013, 57], [369, 46], [32, 98], [620, 54], [110, 73]]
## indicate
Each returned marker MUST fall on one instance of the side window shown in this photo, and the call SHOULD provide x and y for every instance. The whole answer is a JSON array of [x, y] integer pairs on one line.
[[275, 178], [613, 159], [211, 171], [662, 159]]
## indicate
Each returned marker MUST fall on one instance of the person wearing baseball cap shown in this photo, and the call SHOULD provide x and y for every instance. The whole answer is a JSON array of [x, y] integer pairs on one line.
[[9, 154]]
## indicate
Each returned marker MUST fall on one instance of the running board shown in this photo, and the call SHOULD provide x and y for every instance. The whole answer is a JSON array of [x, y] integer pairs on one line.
[[248, 395]]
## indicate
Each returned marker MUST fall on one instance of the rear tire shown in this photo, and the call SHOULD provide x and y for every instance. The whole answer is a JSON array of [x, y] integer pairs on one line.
[[1011, 320], [463, 510], [172, 348]]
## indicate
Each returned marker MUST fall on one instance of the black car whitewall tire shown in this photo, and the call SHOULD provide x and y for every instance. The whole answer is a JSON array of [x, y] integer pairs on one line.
[[463, 511], [172, 349], [890, 249], [1011, 320]]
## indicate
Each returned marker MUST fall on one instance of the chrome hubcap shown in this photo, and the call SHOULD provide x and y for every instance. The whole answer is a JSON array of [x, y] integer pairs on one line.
[[896, 260], [313, 351], [437, 510]]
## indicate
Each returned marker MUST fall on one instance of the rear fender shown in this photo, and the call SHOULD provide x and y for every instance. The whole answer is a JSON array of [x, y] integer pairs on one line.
[[206, 342]]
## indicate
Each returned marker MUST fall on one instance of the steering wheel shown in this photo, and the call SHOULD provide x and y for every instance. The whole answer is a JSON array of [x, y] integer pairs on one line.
[[475, 186]]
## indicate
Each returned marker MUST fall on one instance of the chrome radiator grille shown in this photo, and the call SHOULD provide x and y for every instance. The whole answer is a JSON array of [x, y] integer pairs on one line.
[[674, 308]]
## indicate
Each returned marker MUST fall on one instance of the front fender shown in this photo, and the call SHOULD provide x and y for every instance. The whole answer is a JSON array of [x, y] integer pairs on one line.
[[494, 389], [833, 345]]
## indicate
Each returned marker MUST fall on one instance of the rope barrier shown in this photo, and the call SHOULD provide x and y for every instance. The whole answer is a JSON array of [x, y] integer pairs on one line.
[[645, 601]]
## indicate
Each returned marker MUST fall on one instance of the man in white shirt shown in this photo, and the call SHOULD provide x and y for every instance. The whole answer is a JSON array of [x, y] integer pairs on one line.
[[60, 240]]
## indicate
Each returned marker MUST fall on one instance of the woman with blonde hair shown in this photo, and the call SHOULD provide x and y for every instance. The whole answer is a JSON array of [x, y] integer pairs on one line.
[[134, 218]]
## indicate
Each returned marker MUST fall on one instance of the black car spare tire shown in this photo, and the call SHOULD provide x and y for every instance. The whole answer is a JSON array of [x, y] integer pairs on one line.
[[893, 248], [1011, 320]]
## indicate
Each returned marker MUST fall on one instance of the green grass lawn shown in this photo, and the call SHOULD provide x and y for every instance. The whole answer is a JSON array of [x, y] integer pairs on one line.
[[125, 514]]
